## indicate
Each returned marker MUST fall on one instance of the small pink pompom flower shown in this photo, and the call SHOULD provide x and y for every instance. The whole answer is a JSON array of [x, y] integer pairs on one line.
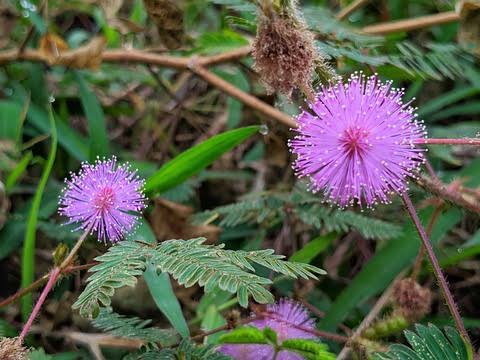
[[104, 198], [286, 318], [358, 144]]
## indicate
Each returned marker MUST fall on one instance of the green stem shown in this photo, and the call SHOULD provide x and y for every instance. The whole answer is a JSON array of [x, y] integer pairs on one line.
[[28, 254]]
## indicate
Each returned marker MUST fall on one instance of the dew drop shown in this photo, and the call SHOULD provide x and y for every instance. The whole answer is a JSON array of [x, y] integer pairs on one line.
[[263, 129]]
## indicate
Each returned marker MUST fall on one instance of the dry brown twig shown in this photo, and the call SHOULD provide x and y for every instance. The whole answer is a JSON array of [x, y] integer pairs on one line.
[[454, 195], [195, 64], [411, 24], [347, 10]]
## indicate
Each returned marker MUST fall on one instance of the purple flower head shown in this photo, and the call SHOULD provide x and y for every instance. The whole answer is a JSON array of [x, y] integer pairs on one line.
[[288, 319], [104, 198], [358, 143]]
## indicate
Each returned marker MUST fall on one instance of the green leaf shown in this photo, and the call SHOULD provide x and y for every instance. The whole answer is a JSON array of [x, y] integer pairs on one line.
[[143, 233], [11, 236], [313, 248], [17, 171], [75, 144], [189, 262], [212, 319], [244, 335], [118, 267], [162, 292], [133, 327], [95, 117], [429, 343], [7, 330], [271, 336], [309, 349], [236, 77], [195, 159], [12, 116], [448, 98], [39, 354], [219, 42], [28, 255]]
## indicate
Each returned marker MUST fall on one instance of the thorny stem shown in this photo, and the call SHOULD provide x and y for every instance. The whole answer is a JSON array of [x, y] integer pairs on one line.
[[39, 282], [54, 274], [75, 248], [417, 266], [452, 306], [53, 277], [431, 171], [464, 141], [458, 197]]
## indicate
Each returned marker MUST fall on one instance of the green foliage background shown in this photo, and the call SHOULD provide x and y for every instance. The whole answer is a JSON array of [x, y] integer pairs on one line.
[[196, 146]]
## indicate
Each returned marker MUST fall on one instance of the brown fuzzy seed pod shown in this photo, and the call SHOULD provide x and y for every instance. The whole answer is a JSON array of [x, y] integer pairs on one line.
[[233, 319], [412, 300], [12, 349], [284, 54]]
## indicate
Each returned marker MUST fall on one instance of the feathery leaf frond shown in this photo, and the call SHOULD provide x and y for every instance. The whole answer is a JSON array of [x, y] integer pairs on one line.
[[133, 327]]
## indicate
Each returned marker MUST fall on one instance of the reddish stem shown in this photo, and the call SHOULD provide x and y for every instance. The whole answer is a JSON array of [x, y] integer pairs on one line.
[[464, 141], [54, 275], [437, 270], [421, 253]]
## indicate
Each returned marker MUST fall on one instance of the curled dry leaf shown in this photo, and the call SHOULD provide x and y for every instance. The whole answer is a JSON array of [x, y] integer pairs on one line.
[[168, 17], [170, 221], [52, 46], [88, 56]]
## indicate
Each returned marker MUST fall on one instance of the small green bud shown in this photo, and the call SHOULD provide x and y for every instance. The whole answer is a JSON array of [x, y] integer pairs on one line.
[[60, 254]]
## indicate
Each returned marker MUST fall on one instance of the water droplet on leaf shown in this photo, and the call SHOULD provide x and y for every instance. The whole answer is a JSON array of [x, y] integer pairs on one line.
[[263, 130]]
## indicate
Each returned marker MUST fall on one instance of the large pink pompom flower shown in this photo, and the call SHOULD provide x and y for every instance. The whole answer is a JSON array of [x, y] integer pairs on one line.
[[358, 143], [104, 198], [288, 319]]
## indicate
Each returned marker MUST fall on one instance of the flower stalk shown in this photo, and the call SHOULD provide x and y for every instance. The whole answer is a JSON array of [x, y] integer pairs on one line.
[[464, 141], [452, 306], [54, 275]]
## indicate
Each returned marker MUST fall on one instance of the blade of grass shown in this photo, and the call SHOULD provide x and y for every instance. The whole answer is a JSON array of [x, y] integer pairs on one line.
[[440, 102], [28, 255], [161, 290], [95, 117], [17, 171], [71, 141], [313, 248], [195, 159]]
